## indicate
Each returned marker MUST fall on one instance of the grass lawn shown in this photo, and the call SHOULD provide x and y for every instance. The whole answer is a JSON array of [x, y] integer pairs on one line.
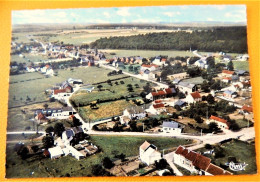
[[145, 53], [105, 110], [109, 92], [45, 167], [196, 80], [241, 65], [242, 123], [242, 151]]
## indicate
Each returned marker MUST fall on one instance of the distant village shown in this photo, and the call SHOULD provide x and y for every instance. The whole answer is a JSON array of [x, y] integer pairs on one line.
[[191, 97]]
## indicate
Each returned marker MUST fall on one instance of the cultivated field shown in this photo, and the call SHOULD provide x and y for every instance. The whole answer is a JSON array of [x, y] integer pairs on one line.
[[105, 110], [28, 58], [45, 167]]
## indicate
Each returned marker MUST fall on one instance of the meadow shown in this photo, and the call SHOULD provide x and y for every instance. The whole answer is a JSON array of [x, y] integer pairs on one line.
[[45, 167], [109, 92]]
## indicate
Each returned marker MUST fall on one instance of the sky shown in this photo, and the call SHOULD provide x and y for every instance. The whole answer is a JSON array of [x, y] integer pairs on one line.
[[148, 14]]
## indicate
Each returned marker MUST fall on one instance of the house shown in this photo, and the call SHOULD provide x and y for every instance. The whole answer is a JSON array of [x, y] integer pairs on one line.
[[246, 109], [73, 134], [193, 97], [201, 63], [229, 94], [186, 87], [159, 61], [40, 118], [177, 76], [171, 127], [49, 72], [30, 69], [55, 152], [75, 81], [54, 113], [151, 67], [148, 153], [161, 94], [222, 123], [180, 103], [134, 112], [227, 73], [196, 163], [156, 109]]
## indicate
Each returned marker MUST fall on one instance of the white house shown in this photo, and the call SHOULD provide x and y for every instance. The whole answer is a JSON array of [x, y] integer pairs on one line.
[[30, 69], [151, 67], [196, 163], [78, 155], [222, 123], [201, 63], [156, 109], [61, 113], [148, 153], [49, 72], [186, 87], [171, 127], [193, 97], [134, 112], [68, 135], [55, 152]]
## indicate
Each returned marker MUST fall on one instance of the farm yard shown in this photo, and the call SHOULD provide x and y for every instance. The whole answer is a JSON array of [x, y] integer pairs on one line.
[[45, 167]]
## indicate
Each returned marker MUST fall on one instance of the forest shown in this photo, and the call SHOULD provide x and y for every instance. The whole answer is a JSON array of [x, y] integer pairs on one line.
[[217, 39]]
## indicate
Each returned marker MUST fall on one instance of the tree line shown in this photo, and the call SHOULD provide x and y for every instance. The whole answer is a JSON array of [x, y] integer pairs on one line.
[[225, 39]]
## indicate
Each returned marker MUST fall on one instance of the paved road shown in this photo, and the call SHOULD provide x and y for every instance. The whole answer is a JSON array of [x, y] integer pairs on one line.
[[23, 132]]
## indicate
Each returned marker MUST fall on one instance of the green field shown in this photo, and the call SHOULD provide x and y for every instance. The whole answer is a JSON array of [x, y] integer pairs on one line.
[[242, 151], [241, 65], [109, 92], [144, 53], [36, 88], [31, 57], [45, 167]]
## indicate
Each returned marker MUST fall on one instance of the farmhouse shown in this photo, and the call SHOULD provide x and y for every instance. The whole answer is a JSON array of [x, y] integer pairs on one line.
[[171, 127], [161, 94], [222, 123], [196, 163], [193, 97], [148, 153], [246, 109], [134, 112], [227, 73], [40, 118], [151, 67], [75, 133], [55, 152], [186, 87], [177, 76], [229, 94], [55, 113], [156, 109]]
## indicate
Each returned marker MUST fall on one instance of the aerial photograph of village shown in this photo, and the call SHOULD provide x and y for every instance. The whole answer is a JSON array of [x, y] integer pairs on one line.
[[130, 91]]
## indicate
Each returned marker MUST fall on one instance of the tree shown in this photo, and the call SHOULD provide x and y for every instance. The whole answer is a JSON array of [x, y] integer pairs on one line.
[[198, 119], [230, 66], [45, 106], [23, 152], [58, 129], [162, 164], [210, 99], [181, 95], [99, 87], [130, 89], [98, 170], [122, 157], [107, 163], [205, 86], [147, 88], [130, 68], [47, 142], [49, 129], [76, 122], [213, 127], [120, 72]]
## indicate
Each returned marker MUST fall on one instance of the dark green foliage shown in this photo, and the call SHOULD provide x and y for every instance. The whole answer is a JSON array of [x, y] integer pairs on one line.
[[227, 39], [58, 129], [107, 163], [47, 142], [208, 146], [162, 164], [49, 129], [230, 66], [194, 72]]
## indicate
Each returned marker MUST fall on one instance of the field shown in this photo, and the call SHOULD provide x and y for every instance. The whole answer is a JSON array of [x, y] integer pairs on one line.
[[45, 167], [144, 53], [27, 85], [109, 92], [241, 65], [82, 36], [196, 80], [105, 110], [242, 151], [18, 121], [28, 58]]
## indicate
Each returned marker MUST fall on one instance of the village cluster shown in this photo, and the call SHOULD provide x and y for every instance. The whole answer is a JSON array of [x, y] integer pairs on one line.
[[172, 96]]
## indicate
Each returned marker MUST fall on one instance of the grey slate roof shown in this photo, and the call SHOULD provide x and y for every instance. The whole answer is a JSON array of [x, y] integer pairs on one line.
[[185, 84], [170, 124]]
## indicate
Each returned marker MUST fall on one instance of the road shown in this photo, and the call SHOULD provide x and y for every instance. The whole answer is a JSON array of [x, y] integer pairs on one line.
[[162, 85]]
